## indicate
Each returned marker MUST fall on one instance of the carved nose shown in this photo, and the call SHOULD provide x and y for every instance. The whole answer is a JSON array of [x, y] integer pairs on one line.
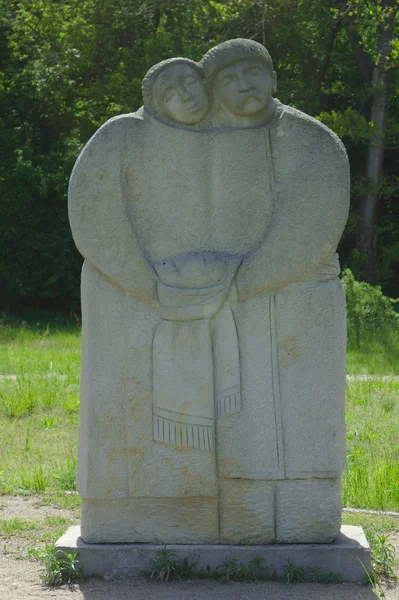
[[243, 84], [184, 94]]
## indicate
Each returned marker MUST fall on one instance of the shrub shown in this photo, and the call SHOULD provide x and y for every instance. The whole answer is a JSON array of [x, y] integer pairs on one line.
[[370, 313]]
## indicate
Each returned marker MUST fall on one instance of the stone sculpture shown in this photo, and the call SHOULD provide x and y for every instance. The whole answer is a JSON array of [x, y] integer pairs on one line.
[[213, 368]]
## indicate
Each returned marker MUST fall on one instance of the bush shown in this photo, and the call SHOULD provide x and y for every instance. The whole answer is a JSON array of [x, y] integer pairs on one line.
[[370, 313]]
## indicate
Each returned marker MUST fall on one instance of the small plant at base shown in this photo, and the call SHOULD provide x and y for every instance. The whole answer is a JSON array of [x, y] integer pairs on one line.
[[315, 574], [165, 565], [293, 574], [59, 567], [184, 569], [383, 557], [227, 570], [379, 593]]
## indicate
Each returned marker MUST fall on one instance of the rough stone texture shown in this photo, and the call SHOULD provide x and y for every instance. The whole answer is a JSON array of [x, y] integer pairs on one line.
[[308, 510], [246, 511], [154, 520], [343, 557], [213, 365]]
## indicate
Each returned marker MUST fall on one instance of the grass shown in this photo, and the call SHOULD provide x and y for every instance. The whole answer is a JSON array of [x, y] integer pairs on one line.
[[16, 527], [167, 566], [371, 522], [39, 402], [377, 354], [59, 567], [372, 419]]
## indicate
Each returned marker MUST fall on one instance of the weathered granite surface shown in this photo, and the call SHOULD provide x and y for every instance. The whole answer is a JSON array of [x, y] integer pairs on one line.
[[347, 557], [213, 368]]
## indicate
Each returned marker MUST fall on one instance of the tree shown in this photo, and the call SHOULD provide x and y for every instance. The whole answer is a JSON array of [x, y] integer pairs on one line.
[[375, 58], [66, 66]]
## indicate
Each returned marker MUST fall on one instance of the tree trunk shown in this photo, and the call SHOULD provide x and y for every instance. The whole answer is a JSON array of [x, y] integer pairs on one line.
[[377, 75], [367, 236]]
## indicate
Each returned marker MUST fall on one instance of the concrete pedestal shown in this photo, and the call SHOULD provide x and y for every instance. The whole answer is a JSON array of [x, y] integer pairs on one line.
[[344, 557]]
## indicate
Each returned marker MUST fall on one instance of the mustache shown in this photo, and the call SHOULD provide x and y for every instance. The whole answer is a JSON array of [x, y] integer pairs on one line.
[[244, 95]]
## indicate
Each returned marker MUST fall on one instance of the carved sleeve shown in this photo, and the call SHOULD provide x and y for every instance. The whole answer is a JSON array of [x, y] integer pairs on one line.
[[311, 178], [100, 226]]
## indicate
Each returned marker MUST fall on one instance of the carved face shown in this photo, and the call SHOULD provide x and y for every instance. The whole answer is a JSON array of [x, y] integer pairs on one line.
[[245, 88], [181, 94]]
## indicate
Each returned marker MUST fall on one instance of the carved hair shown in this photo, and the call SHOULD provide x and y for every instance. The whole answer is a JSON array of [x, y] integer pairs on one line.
[[230, 52], [155, 71]]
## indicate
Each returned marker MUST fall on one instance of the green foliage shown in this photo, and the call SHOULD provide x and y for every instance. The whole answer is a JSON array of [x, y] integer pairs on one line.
[[185, 569], [59, 567], [372, 422], [16, 525], [67, 67], [228, 570], [317, 575], [370, 313], [39, 399], [383, 556], [294, 573], [168, 566], [67, 476], [165, 565]]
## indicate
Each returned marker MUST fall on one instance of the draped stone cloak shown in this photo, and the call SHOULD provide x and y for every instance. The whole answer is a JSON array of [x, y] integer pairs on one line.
[[269, 205]]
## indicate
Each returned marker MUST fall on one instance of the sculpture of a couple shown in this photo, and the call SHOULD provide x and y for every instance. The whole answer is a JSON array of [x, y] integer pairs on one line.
[[213, 370]]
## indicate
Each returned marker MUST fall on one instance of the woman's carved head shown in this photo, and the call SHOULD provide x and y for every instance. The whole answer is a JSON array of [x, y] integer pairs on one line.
[[175, 89]]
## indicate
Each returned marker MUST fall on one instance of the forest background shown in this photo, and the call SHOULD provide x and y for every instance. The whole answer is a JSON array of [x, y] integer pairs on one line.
[[66, 66]]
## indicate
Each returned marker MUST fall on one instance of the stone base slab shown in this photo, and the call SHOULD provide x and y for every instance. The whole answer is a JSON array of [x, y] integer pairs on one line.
[[344, 557]]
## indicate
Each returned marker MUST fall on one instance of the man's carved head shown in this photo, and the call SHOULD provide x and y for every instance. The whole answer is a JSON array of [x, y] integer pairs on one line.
[[240, 74], [175, 89]]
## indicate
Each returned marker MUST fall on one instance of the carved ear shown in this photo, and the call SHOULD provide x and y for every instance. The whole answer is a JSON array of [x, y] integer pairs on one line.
[[274, 76]]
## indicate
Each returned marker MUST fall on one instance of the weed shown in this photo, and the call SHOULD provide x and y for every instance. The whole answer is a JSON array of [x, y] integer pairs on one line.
[[165, 566], [256, 566], [59, 567], [374, 583], [317, 575], [383, 557], [33, 553], [48, 421], [254, 570], [67, 476], [34, 480], [293, 573], [227, 570], [184, 569]]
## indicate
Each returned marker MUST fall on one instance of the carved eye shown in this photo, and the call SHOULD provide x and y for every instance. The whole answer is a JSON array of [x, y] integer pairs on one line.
[[254, 70], [191, 80], [169, 94], [228, 78]]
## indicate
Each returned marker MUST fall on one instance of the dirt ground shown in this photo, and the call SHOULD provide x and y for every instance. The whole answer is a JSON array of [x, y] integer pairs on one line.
[[20, 579]]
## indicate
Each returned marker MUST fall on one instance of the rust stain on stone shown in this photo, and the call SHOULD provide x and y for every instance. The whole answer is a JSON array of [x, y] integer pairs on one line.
[[288, 350]]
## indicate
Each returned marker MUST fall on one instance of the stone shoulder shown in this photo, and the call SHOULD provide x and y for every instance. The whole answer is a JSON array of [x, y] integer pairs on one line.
[[110, 137], [314, 128], [117, 126]]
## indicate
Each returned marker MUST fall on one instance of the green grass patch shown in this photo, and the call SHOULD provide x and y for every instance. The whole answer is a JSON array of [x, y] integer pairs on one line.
[[17, 527], [59, 499], [371, 522], [39, 403], [371, 479]]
